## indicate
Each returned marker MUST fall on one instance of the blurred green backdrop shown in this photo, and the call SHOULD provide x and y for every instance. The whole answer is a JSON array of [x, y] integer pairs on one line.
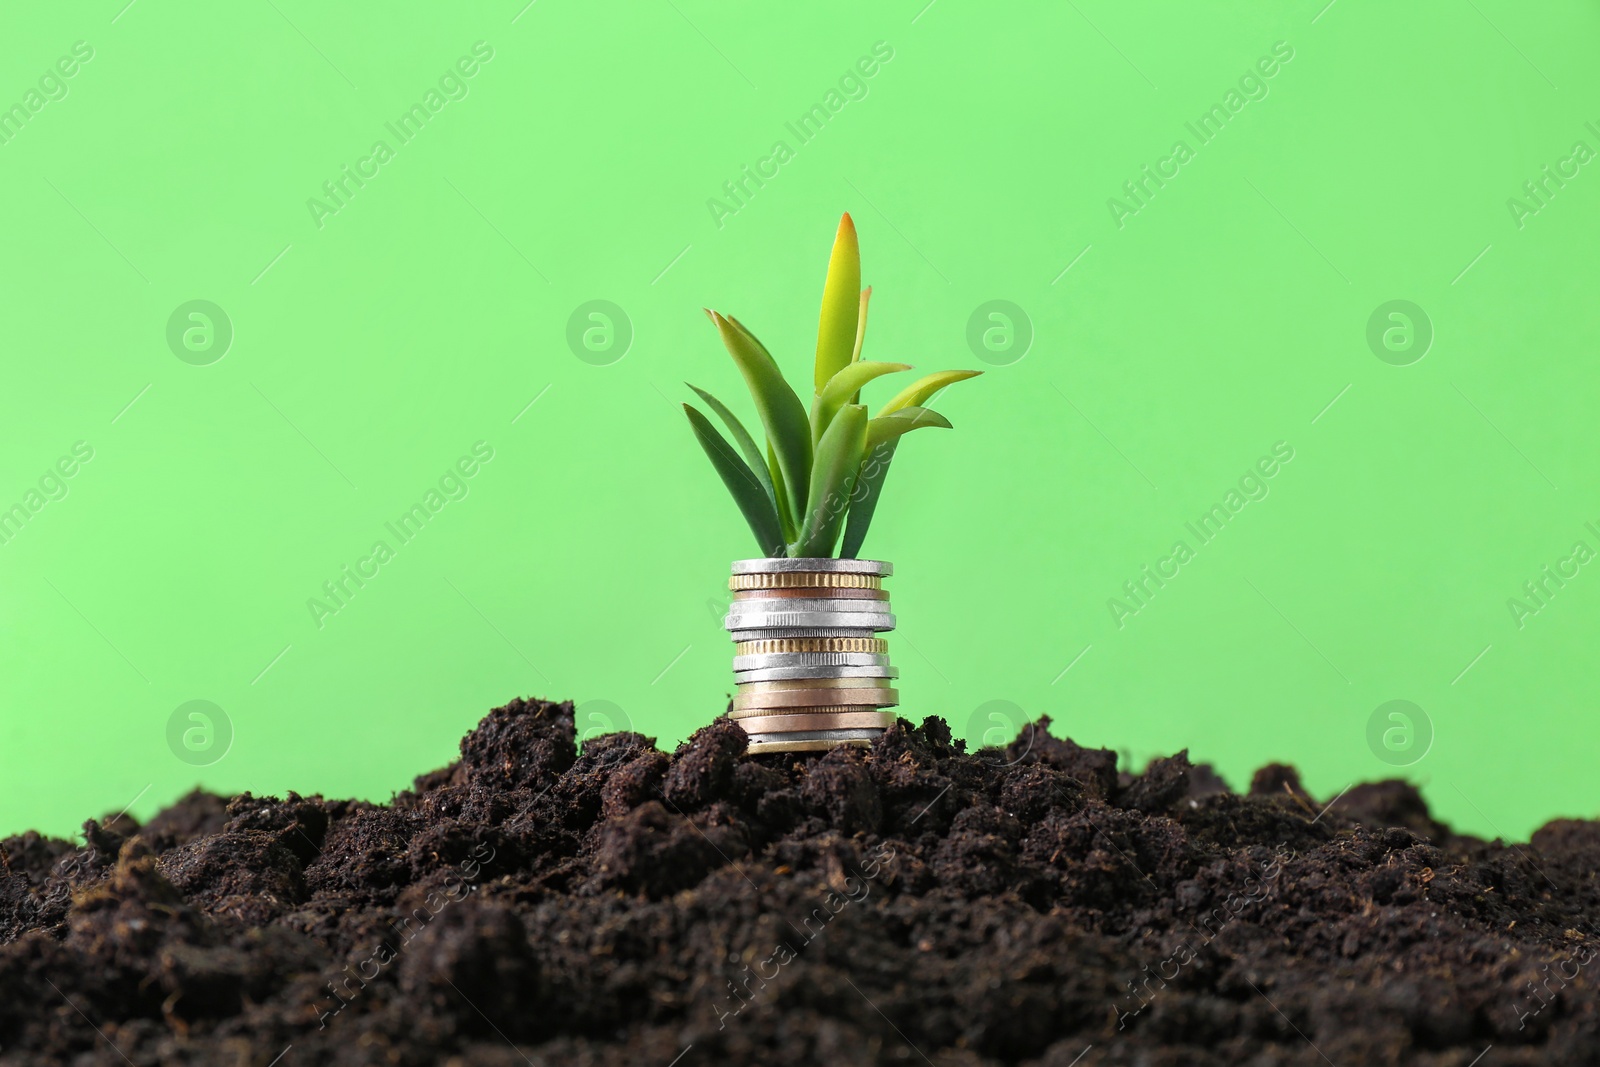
[[1170, 317]]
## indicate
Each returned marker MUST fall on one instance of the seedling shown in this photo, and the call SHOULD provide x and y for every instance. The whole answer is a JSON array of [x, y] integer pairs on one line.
[[823, 472]]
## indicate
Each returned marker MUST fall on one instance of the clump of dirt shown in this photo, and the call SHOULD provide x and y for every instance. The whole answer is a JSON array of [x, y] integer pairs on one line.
[[911, 903]]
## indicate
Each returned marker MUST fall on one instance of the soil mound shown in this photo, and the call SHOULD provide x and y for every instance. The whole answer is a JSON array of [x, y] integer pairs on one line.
[[911, 903]]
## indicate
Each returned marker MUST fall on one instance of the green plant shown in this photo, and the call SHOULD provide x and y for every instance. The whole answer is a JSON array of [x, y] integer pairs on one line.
[[821, 472]]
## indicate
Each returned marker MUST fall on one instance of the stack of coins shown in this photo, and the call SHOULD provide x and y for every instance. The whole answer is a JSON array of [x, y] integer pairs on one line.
[[811, 670]]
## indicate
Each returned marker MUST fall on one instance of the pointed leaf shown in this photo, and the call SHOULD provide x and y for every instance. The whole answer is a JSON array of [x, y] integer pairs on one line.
[[838, 461], [742, 483], [745, 330], [782, 414], [741, 437], [864, 500], [890, 427], [841, 296], [920, 390], [842, 387]]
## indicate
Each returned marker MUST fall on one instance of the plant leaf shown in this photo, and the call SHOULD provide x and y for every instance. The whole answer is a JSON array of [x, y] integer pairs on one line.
[[741, 437], [782, 414], [861, 324], [920, 390], [745, 330], [841, 296], [842, 387], [861, 334], [785, 514], [868, 490], [883, 437], [742, 483], [838, 461], [889, 427]]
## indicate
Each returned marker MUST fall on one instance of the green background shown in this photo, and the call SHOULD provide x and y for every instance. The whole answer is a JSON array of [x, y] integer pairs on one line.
[[589, 558]]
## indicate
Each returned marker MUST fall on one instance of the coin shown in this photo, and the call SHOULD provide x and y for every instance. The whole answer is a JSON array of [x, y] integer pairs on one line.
[[792, 684], [810, 659], [821, 604], [801, 739], [817, 698], [764, 747], [814, 709], [784, 633], [743, 595], [805, 620], [814, 565], [778, 674], [789, 724], [810, 644], [804, 580]]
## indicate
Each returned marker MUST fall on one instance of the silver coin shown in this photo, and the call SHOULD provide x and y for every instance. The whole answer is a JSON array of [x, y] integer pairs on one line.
[[810, 659], [813, 566], [800, 631], [865, 733], [779, 620], [839, 604], [785, 674]]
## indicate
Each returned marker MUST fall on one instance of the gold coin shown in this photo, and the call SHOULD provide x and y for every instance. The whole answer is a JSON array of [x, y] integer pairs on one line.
[[805, 580], [792, 685], [810, 593], [776, 645], [782, 724], [805, 698]]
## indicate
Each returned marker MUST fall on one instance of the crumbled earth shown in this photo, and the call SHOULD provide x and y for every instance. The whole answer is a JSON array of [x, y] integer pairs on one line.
[[912, 903]]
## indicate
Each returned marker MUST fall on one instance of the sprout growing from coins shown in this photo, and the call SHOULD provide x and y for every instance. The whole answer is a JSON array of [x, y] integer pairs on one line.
[[822, 473], [812, 671]]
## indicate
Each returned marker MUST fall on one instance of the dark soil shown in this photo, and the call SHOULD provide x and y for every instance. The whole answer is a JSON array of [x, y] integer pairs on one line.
[[909, 904]]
